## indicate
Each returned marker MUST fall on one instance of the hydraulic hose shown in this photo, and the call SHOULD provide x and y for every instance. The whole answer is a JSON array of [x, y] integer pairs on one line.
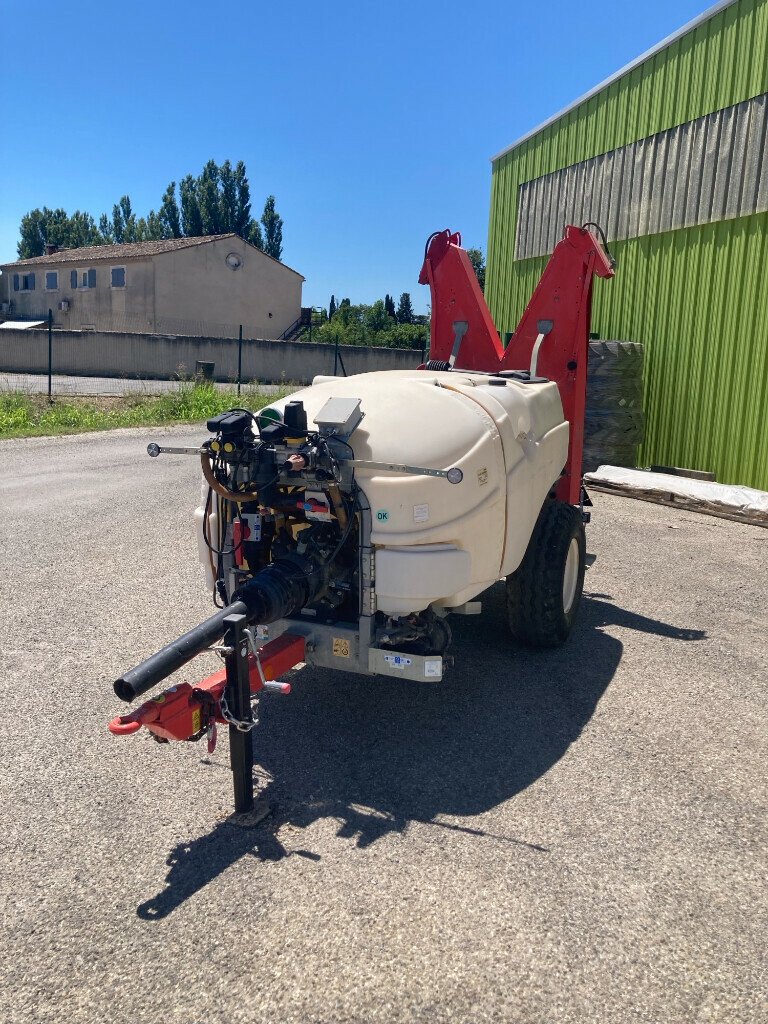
[[215, 485]]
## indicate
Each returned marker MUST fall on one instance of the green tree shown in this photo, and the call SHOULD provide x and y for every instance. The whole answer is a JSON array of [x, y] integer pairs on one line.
[[332, 307], [191, 220], [124, 224], [105, 230], [405, 309], [389, 306], [254, 235], [477, 260], [242, 217], [228, 198], [209, 200], [41, 227], [169, 213], [217, 201], [273, 229]]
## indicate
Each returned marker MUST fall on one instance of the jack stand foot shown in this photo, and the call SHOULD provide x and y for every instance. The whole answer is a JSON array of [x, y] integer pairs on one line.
[[250, 819]]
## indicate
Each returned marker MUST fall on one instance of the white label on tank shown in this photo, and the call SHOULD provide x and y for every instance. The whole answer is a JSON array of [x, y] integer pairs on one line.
[[420, 513], [397, 660], [433, 668]]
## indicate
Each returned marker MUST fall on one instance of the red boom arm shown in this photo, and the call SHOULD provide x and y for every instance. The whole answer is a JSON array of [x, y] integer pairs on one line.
[[555, 325]]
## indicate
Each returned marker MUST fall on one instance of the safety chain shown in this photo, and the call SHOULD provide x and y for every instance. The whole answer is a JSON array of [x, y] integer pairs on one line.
[[245, 726], [241, 726]]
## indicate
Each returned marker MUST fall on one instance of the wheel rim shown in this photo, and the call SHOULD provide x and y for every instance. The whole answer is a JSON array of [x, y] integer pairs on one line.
[[571, 575]]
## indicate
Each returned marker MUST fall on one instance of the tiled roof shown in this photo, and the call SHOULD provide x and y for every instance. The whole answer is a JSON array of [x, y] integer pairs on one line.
[[93, 253]]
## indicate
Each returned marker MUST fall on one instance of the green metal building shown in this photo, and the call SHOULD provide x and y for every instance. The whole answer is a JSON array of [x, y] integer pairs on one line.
[[670, 156]]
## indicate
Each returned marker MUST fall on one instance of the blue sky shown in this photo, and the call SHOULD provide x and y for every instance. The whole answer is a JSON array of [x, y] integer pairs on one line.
[[372, 124]]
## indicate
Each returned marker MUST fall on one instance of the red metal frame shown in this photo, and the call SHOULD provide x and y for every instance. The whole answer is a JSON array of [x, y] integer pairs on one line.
[[184, 710], [562, 296]]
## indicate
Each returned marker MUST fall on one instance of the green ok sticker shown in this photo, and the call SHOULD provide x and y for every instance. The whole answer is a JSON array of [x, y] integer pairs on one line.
[[382, 515]]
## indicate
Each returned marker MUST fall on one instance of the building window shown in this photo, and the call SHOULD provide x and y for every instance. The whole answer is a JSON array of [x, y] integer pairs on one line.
[[51, 280], [118, 277], [23, 282], [82, 278]]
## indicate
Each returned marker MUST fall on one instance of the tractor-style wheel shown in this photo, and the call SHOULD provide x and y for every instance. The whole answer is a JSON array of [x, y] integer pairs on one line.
[[543, 594]]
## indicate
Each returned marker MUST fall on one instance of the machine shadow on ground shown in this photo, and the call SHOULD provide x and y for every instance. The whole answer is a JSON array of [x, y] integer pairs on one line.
[[376, 754]]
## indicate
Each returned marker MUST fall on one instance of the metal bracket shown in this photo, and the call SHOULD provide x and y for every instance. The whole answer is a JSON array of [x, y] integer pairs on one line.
[[153, 450], [396, 467]]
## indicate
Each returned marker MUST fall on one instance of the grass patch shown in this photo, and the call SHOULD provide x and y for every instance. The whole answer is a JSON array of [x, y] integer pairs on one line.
[[23, 415]]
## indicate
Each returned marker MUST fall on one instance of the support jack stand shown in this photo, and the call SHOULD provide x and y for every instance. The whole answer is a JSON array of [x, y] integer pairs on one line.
[[238, 696]]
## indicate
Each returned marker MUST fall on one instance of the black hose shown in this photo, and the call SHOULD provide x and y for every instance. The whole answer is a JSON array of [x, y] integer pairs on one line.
[[608, 253]]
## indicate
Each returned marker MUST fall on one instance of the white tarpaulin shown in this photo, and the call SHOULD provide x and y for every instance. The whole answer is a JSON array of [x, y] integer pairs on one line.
[[20, 325], [723, 497]]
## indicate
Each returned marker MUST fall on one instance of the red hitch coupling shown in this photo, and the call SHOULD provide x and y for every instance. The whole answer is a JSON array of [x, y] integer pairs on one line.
[[185, 711]]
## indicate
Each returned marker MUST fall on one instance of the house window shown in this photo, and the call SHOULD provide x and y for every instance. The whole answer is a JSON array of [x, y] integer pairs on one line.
[[118, 277], [23, 282], [51, 280], [82, 278]]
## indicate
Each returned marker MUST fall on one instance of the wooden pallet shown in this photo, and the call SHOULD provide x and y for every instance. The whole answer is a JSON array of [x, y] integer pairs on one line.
[[684, 504]]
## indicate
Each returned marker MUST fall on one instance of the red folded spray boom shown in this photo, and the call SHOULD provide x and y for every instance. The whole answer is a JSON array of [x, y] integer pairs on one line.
[[551, 340]]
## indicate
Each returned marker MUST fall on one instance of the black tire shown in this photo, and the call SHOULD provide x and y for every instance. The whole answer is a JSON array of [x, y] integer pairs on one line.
[[538, 616]]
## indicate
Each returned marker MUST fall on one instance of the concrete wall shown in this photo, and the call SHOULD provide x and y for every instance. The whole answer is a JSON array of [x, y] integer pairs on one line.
[[103, 354]]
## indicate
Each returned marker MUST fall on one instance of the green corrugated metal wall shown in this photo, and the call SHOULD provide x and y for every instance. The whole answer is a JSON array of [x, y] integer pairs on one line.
[[697, 298]]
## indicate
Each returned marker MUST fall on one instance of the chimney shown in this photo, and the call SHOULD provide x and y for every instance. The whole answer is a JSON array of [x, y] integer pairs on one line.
[[51, 248]]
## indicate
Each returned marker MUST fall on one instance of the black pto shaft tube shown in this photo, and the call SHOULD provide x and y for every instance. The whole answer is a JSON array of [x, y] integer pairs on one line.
[[277, 591], [157, 667]]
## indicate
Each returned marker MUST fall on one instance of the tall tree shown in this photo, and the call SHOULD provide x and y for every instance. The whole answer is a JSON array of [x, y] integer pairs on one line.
[[405, 309], [332, 307], [169, 213], [242, 218], [191, 221], [124, 226], [218, 200], [477, 260], [41, 227], [208, 197], [273, 229], [82, 230], [254, 235], [228, 197], [389, 306], [105, 230]]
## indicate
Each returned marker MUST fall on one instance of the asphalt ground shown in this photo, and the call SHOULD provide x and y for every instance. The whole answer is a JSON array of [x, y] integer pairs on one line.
[[568, 836]]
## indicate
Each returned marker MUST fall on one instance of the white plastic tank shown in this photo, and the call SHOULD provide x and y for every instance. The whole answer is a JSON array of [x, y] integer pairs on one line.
[[437, 542]]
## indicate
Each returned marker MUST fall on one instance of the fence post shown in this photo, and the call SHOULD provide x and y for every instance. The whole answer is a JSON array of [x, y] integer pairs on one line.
[[239, 359], [50, 355]]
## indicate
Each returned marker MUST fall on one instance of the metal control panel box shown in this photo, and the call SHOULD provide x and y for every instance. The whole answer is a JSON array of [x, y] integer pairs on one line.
[[339, 416]]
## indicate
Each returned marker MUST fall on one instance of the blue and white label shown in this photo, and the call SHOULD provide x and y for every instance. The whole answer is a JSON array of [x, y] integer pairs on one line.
[[382, 516], [397, 661]]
